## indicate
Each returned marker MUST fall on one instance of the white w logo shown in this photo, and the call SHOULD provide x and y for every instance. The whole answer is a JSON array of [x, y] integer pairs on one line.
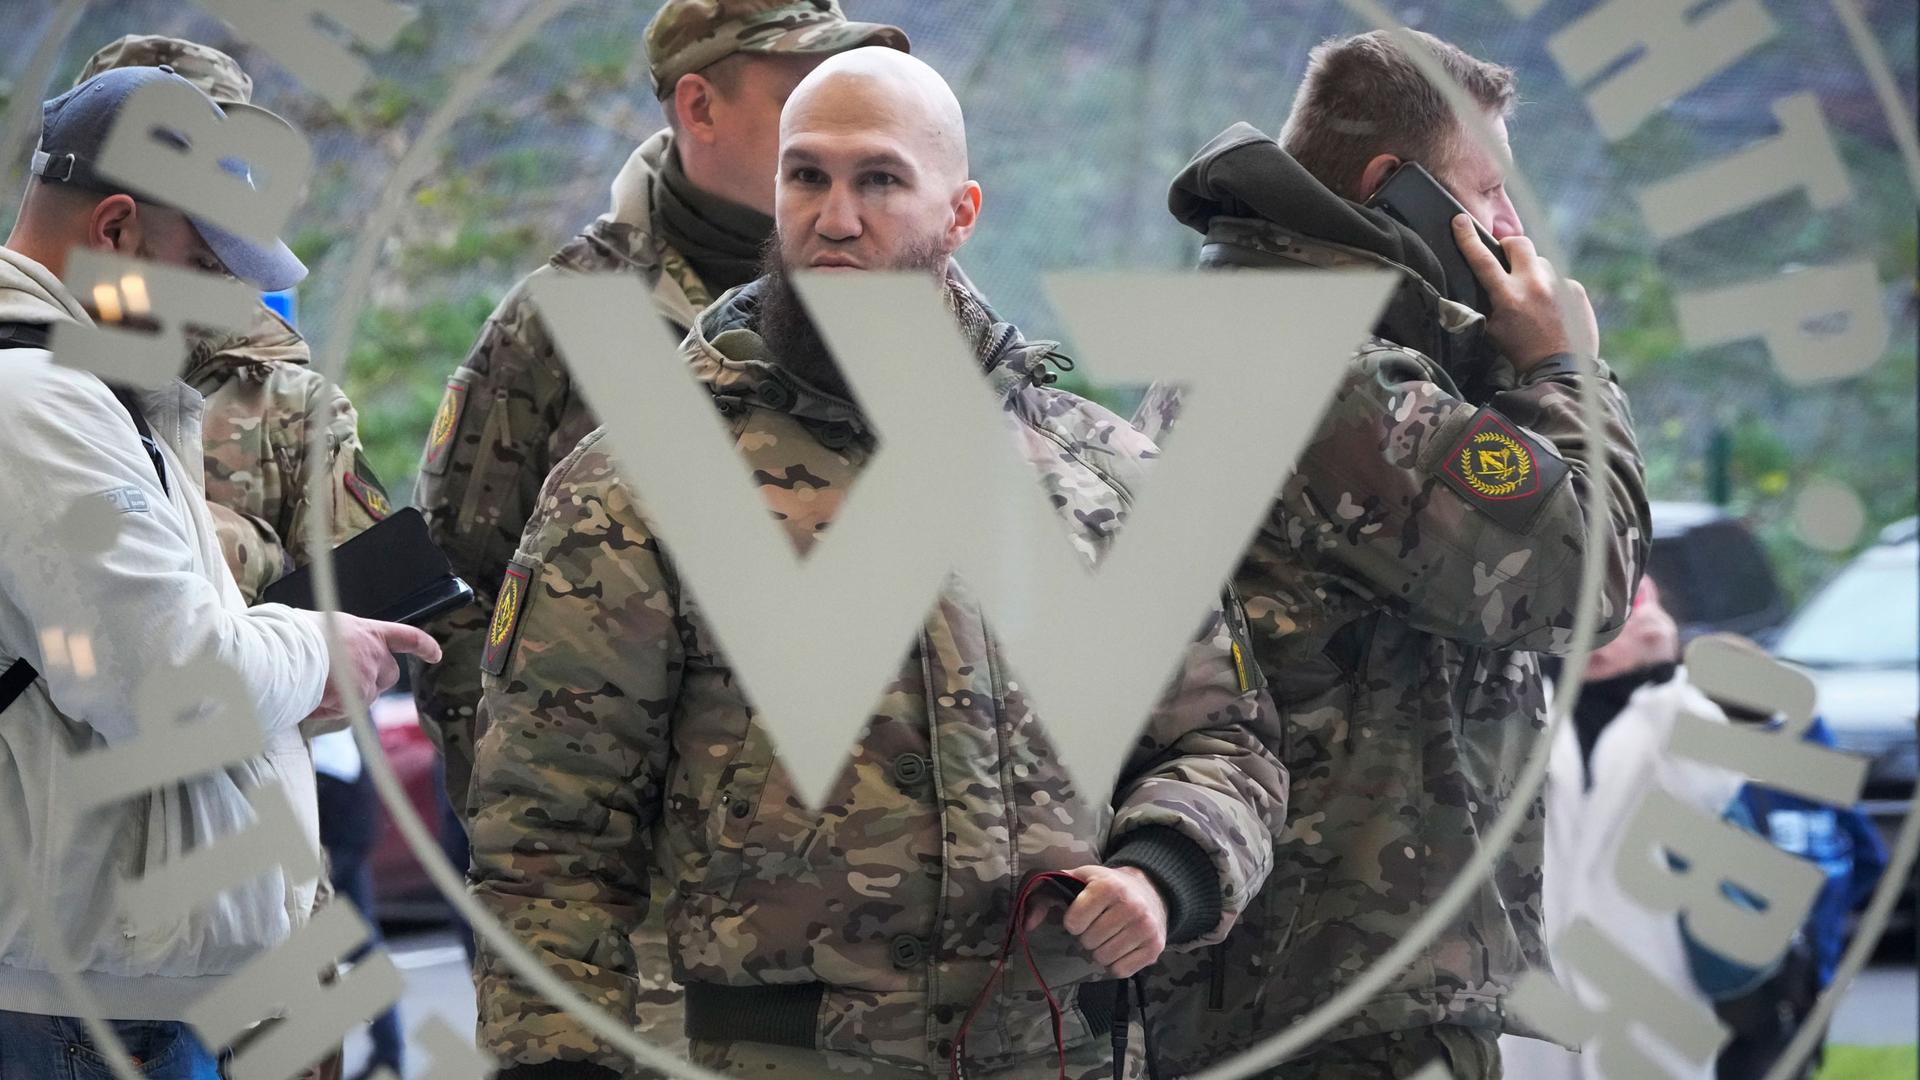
[[948, 491]]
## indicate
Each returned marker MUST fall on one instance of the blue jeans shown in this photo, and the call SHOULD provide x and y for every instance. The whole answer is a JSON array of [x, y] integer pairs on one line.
[[34, 1047]]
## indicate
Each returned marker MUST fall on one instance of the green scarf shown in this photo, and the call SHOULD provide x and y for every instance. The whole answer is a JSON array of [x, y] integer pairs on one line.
[[721, 240]]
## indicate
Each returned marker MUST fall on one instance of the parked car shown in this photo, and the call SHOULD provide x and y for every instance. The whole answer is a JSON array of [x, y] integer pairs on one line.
[[1860, 639], [1713, 574]]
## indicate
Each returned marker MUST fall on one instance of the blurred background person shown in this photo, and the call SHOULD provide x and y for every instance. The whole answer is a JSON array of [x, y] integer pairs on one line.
[[1843, 843], [1606, 757], [349, 825], [1611, 751]]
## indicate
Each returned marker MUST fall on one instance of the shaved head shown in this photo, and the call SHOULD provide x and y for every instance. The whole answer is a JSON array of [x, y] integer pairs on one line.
[[877, 90], [873, 166], [873, 176]]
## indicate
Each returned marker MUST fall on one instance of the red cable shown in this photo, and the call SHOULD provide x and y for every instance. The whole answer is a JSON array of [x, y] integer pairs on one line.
[[1017, 923]]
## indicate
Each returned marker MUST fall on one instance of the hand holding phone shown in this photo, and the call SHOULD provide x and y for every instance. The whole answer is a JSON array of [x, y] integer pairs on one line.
[[1411, 196], [1533, 313]]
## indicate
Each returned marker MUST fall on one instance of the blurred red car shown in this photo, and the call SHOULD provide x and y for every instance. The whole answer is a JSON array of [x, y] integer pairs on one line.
[[401, 889]]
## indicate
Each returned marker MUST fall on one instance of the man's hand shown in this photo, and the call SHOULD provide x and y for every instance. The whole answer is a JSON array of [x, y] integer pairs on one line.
[[1526, 321], [370, 667], [1120, 917]]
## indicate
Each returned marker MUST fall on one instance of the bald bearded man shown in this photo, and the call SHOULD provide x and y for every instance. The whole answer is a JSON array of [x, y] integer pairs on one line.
[[860, 939]]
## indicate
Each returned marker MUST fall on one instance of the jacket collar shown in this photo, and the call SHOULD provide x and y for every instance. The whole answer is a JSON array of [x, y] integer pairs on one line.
[[633, 186], [29, 292], [1244, 191]]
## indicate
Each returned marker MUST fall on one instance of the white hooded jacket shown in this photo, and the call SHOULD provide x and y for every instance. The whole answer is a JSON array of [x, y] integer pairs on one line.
[[105, 613]]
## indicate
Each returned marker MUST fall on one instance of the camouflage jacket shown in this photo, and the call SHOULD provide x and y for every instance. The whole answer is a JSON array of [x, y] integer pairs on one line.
[[509, 414], [1428, 544], [869, 928], [261, 400]]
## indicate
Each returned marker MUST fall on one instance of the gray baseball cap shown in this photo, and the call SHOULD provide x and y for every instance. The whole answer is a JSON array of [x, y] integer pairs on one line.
[[74, 128]]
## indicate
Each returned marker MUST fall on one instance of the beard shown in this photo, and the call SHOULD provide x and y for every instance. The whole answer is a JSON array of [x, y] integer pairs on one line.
[[789, 331]]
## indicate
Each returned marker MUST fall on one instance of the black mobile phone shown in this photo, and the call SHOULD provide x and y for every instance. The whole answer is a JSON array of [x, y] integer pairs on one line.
[[1415, 199]]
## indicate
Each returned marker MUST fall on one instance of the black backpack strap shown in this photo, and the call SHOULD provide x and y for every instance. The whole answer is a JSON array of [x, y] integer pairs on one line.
[[24, 335], [132, 405], [20, 675], [32, 335], [15, 681]]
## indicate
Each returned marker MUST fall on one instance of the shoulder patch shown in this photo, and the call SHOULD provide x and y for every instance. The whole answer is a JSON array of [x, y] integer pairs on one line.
[[366, 490], [507, 608], [1502, 471], [446, 423]]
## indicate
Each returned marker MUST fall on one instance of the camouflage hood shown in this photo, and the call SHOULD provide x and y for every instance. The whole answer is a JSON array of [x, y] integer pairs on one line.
[[264, 399], [270, 340], [1256, 205], [729, 355]]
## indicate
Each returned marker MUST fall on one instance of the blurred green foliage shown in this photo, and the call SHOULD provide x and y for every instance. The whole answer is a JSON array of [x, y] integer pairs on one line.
[[1870, 1063], [1110, 212], [1079, 111], [392, 350]]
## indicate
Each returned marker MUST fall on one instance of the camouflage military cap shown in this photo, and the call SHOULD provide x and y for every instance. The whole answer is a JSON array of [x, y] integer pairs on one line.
[[202, 65], [688, 35]]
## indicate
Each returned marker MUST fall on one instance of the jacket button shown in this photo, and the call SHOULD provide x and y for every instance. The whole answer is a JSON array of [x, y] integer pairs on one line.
[[907, 952], [909, 770], [739, 808]]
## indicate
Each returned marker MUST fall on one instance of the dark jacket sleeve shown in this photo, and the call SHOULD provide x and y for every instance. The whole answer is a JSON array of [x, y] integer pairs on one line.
[[497, 433]]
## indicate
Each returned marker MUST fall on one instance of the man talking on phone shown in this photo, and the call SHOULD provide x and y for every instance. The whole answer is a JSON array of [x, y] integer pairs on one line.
[[1428, 544]]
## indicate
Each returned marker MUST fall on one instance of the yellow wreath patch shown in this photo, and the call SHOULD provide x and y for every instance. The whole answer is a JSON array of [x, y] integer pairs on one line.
[[503, 613], [1495, 464], [443, 420], [446, 424], [506, 616]]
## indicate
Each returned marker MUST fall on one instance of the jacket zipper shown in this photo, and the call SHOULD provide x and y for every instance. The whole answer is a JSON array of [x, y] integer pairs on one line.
[[936, 777]]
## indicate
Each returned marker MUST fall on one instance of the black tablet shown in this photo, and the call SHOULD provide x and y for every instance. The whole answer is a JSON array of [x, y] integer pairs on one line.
[[392, 572]]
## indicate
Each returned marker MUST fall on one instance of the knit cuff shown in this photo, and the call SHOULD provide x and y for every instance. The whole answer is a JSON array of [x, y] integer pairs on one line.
[[1183, 872]]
